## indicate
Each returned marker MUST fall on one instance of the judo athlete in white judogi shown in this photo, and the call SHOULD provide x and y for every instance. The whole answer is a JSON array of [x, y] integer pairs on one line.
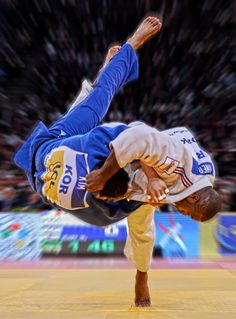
[[172, 157]]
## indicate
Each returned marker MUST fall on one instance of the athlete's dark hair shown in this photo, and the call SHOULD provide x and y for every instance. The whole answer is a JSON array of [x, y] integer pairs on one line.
[[117, 185]]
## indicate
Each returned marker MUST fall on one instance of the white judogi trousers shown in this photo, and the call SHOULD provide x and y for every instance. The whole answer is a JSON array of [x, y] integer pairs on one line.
[[141, 236]]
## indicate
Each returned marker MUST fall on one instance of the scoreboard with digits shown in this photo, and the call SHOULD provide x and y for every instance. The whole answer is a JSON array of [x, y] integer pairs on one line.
[[87, 247], [64, 235]]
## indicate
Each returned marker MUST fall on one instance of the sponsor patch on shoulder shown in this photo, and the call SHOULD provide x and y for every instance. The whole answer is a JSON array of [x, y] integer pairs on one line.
[[205, 168]]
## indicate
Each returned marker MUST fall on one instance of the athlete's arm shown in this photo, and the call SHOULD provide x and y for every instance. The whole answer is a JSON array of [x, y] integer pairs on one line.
[[156, 187], [144, 143], [96, 180], [135, 143]]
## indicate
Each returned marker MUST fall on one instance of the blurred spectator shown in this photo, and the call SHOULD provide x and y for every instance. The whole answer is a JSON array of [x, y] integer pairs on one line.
[[34, 203], [187, 75], [8, 199]]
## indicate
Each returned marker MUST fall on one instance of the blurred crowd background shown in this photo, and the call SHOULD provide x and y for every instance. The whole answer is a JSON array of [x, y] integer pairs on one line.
[[187, 75]]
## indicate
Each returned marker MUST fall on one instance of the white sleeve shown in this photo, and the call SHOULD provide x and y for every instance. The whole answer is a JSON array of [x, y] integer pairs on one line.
[[144, 143], [86, 88]]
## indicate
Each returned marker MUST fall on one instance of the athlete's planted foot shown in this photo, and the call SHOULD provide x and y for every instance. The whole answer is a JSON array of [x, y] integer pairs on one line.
[[142, 296], [147, 29]]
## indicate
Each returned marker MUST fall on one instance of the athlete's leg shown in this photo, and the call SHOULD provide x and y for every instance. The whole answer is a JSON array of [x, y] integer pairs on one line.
[[87, 86], [139, 249], [90, 112], [122, 68]]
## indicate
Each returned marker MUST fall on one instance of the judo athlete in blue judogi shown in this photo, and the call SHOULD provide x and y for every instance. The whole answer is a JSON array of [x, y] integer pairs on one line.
[[56, 160]]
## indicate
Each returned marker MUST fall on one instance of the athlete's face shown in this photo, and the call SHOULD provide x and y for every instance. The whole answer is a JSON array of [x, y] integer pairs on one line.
[[186, 207]]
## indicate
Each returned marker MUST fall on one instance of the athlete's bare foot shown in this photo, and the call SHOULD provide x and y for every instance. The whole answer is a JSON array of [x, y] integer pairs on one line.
[[142, 297], [111, 52], [147, 29]]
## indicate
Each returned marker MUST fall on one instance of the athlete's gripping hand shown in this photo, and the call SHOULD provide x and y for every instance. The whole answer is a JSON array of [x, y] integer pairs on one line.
[[95, 181], [156, 190]]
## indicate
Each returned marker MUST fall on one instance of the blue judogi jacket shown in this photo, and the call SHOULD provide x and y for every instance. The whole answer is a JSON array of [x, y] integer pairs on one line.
[[89, 151]]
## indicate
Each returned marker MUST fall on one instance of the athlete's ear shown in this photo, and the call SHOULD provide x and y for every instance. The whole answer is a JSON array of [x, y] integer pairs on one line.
[[194, 198]]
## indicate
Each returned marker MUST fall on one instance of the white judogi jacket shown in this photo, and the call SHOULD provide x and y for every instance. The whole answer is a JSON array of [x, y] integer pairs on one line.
[[174, 154]]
